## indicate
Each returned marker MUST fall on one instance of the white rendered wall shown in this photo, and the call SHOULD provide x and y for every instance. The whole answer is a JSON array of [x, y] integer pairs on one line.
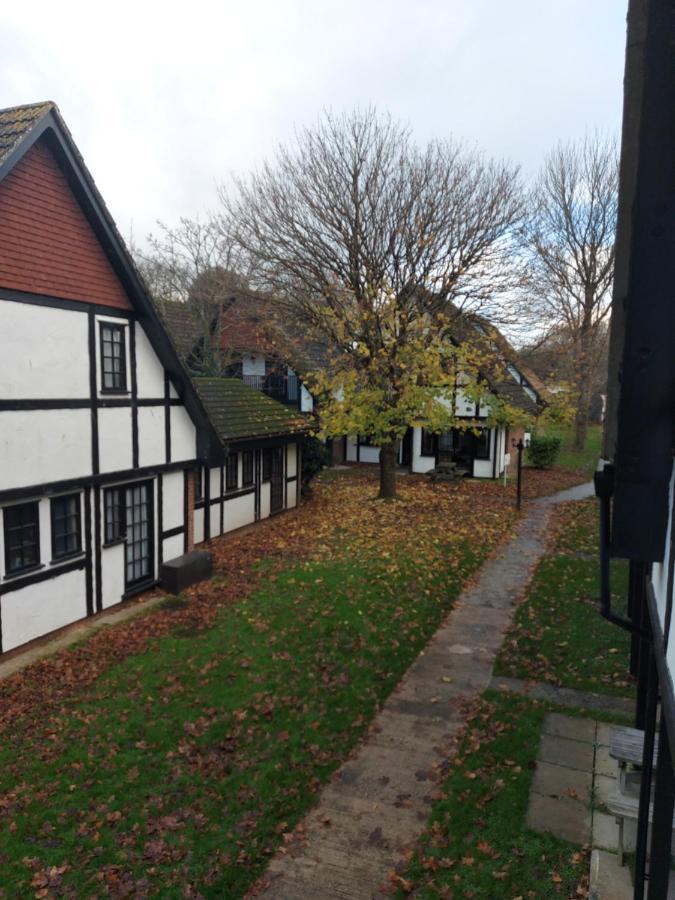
[[369, 454], [214, 476], [199, 525], [420, 464], [253, 365], [291, 460], [361, 454], [38, 446], [183, 435], [112, 573], [149, 370], [44, 352], [40, 608], [239, 511], [173, 496], [151, 440], [265, 499], [115, 439], [291, 494], [306, 400], [173, 547]]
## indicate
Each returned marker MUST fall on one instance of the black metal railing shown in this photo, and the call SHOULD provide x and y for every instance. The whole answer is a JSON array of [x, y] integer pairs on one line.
[[285, 388]]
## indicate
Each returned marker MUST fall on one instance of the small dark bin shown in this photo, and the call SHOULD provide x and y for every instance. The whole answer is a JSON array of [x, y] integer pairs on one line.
[[177, 574]]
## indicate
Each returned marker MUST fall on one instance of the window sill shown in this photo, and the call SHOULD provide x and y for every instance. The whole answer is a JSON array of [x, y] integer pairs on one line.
[[19, 573], [137, 587], [67, 557], [115, 543], [116, 392]]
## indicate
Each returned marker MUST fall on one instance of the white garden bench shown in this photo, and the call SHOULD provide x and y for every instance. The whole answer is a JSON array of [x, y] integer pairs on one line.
[[626, 746]]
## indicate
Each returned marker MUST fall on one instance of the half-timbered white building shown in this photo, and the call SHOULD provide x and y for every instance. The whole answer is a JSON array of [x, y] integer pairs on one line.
[[478, 448], [261, 473], [101, 430]]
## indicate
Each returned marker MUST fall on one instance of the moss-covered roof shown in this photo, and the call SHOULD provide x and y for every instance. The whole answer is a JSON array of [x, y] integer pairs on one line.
[[16, 122], [239, 412]]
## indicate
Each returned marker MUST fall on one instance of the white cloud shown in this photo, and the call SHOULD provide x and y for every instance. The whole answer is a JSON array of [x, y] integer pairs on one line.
[[165, 99]]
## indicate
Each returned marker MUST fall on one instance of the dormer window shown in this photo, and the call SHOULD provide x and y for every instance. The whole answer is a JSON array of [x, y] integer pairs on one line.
[[113, 358]]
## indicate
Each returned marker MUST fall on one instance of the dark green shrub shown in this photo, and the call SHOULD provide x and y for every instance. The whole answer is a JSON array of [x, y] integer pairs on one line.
[[315, 457], [543, 450]]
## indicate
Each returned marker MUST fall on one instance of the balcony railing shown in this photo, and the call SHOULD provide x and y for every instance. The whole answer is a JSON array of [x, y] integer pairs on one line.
[[285, 388]]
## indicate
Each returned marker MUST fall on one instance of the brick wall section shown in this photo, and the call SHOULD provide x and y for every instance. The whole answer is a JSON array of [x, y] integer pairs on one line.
[[46, 243], [190, 485]]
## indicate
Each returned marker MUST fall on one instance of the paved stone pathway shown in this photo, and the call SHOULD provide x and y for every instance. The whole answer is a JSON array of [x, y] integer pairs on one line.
[[564, 696], [379, 800]]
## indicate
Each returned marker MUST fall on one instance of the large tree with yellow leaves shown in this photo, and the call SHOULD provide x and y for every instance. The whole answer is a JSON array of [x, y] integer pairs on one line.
[[378, 248]]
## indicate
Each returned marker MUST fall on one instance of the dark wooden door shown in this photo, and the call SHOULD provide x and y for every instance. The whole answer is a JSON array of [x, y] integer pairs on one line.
[[277, 480], [406, 448]]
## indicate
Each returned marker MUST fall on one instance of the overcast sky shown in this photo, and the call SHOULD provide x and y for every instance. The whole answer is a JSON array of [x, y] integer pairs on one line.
[[165, 100]]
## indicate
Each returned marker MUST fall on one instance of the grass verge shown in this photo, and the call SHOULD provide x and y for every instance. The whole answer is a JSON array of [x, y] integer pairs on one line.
[[558, 635], [476, 843]]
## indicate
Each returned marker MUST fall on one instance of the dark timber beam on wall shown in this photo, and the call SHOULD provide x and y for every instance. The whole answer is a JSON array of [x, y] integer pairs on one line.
[[160, 520], [186, 511], [207, 504], [89, 549], [97, 550], [167, 418], [644, 446], [222, 499], [93, 390], [58, 303], [134, 394], [47, 489], [31, 404]]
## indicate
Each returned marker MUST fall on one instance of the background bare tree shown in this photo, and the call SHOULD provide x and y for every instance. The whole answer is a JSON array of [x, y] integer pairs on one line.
[[196, 264], [570, 238], [372, 244]]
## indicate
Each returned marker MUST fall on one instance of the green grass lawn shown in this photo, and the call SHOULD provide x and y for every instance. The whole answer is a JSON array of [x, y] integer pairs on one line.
[[180, 770], [558, 635], [582, 460], [476, 843]]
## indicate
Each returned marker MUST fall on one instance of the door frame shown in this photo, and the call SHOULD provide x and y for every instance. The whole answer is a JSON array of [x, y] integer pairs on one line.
[[279, 454], [150, 485]]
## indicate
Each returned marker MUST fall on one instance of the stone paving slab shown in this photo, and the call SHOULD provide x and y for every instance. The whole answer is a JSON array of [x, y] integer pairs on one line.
[[559, 781], [380, 799], [563, 817], [563, 752], [608, 881], [571, 728]]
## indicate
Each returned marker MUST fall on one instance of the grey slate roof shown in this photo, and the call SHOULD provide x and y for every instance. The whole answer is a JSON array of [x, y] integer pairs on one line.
[[239, 412], [515, 395], [16, 122]]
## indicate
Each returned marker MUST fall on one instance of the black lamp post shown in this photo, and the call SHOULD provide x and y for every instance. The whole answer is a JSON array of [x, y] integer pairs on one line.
[[519, 487]]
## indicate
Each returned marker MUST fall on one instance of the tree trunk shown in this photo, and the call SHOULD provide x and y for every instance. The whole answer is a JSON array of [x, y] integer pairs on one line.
[[580, 426], [584, 386], [388, 471]]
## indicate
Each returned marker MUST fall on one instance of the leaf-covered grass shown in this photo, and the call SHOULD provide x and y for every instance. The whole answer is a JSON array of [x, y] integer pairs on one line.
[[177, 770], [476, 843], [558, 635]]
